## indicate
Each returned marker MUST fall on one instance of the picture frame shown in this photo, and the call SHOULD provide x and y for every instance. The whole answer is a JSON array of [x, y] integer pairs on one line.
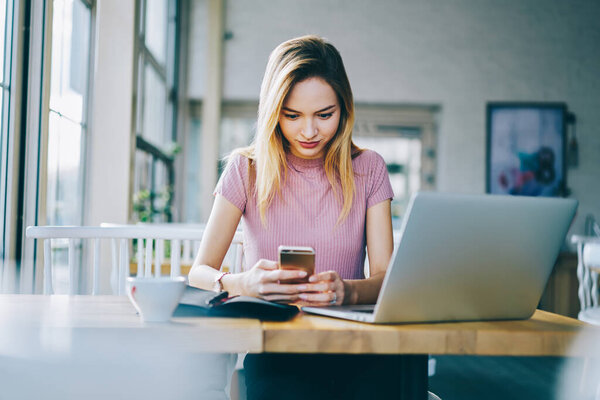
[[526, 148]]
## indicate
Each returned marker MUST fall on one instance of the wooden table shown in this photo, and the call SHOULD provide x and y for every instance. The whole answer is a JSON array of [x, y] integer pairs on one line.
[[545, 334], [34, 325]]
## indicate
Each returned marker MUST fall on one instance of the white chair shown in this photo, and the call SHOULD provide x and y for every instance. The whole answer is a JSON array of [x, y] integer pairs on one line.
[[150, 241], [588, 268], [233, 261]]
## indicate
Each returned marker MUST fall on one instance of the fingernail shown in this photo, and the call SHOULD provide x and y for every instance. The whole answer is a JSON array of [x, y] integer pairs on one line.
[[303, 296], [312, 279], [302, 287], [302, 274]]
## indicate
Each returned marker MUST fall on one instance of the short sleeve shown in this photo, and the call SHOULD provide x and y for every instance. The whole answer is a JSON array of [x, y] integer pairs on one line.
[[379, 187], [233, 184]]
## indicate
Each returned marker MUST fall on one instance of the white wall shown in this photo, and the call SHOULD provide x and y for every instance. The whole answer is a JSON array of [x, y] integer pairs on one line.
[[110, 145], [110, 141], [457, 54]]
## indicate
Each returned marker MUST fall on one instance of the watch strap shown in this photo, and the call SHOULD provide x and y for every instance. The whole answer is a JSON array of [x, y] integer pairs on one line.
[[218, 285]]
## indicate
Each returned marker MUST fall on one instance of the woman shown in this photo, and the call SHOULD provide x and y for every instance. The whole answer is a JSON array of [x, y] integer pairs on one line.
[[302, 182]]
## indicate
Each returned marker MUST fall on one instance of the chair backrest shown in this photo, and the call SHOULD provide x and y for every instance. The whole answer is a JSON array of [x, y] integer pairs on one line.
[[149, 244], [588, 265]]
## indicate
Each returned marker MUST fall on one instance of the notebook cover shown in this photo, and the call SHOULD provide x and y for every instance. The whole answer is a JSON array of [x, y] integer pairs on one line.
[[205, 303]]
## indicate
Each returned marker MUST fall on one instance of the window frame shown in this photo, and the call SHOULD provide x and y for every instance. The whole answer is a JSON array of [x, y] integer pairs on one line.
[[6, 125], [85, 126], [24, 143], [27, 141], [371, 117], [169, 74]]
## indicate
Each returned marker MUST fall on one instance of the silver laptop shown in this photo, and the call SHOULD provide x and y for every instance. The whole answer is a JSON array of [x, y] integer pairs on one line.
[[468, 257]]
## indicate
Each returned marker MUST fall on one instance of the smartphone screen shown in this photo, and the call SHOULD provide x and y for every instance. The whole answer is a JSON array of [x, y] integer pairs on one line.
[[297, 257]]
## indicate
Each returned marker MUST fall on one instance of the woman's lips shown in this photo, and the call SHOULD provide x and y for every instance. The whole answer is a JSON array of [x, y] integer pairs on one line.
[[309, 145]]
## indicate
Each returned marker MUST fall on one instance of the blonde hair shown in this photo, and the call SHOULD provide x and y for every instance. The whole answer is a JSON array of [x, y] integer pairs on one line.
[[291, 62]]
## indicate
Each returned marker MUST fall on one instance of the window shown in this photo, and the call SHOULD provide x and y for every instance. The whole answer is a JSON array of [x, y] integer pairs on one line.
[[405, 138], [237, 128], [191, 207], [67, 124], [402, 154], [156, 110], [67, 127]]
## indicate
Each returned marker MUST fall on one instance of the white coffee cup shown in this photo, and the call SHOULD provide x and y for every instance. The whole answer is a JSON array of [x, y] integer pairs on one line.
[[155, 298]]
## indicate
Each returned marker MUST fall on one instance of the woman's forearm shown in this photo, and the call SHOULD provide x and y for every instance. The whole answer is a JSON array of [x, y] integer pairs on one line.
[[360, 291], [363, 291], [204, 276]]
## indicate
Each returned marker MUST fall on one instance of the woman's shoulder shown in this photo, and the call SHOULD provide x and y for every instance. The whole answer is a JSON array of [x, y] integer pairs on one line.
[[240, 158], [367, 159]]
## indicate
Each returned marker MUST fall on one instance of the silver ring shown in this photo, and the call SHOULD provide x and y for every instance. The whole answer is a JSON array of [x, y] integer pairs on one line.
[[334, 300]]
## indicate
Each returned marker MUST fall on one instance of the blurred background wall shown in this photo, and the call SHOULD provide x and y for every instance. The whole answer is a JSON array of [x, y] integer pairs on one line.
[[454, 55]]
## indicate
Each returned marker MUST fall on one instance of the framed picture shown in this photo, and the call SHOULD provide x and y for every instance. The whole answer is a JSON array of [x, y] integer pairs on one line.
[[526, 149]]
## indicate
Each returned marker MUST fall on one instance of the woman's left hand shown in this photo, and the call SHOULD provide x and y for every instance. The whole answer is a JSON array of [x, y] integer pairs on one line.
[[323, 289]]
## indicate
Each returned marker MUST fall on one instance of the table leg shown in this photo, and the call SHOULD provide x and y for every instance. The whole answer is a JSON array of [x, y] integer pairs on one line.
[[413, 377]]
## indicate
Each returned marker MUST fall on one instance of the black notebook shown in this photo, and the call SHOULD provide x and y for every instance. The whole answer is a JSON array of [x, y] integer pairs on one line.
[[205, 303]]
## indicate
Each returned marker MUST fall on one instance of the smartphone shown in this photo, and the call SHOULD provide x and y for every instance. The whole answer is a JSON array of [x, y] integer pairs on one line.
[[297, 257]]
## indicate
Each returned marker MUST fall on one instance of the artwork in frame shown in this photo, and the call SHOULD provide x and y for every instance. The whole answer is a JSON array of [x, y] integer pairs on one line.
[[526, 149]]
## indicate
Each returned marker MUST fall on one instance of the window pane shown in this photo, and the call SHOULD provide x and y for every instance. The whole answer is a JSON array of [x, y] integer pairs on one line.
[[162, 192], [152, 191], [60, 264], [235, 132], [402, 156], [156, 28], [80, 47], [64, 193], [143, 165], [141, 194], [192, 172], [70, 58], [155, 103]]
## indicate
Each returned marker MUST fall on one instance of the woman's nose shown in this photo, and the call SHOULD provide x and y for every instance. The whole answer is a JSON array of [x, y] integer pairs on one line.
[[310, 129]]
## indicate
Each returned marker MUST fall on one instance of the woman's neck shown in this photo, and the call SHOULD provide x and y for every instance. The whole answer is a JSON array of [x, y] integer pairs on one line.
[[303, 163]]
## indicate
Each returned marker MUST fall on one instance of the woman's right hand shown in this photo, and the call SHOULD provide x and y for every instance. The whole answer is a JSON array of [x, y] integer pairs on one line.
[[266, 281]]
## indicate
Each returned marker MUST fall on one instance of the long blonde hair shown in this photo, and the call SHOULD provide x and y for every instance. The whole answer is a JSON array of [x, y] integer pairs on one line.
[[291, 62]]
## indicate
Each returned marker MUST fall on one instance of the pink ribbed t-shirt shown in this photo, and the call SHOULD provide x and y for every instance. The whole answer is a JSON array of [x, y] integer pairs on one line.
[[307, 211]]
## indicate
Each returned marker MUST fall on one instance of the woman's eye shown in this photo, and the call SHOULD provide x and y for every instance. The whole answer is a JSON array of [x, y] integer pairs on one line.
[[291, 116], [325, 116]]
